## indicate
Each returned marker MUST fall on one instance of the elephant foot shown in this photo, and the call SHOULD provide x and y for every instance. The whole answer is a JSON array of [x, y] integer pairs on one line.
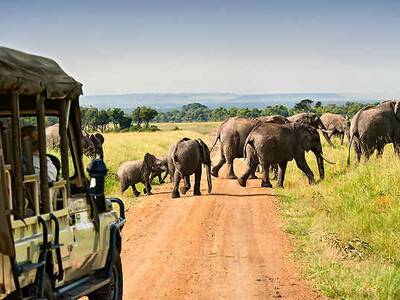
[[136, 194], [162, 181], [175, 195], [266, 184], [253, 176], [214, 172], [232, 176], [196, 193], [183, 190], [242, 182], [279, 185]]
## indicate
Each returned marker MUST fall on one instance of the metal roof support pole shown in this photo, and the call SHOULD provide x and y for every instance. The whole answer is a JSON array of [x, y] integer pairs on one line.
[[17, 158], [64, 145], [44, 184]]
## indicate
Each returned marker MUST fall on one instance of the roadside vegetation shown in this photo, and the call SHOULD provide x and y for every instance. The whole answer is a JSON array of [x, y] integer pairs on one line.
[[347, 228]]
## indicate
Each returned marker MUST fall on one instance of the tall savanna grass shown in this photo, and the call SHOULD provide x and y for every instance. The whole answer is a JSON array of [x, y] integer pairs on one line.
[[347, 227]]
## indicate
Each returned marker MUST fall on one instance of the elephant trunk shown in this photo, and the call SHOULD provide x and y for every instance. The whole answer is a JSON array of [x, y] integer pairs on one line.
[[324, 133], [208, 171], [320, 162]]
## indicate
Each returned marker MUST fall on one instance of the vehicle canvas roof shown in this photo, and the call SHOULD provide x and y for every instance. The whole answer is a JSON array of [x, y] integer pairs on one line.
[[30, 74]]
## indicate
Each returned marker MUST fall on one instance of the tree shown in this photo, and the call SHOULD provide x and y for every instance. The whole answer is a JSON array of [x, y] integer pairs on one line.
[[101, 120], [143, 114], [116, 115], [147, 114], [136, 117], [303, 106]]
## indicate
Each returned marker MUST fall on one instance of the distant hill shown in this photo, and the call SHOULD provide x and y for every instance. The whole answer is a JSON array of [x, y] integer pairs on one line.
[[166, 102]]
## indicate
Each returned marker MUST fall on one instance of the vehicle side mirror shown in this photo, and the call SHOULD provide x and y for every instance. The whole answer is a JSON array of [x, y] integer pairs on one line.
[[97, 171]]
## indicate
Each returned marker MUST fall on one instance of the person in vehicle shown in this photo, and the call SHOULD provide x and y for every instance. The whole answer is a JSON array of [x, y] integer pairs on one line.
[[52, 172]]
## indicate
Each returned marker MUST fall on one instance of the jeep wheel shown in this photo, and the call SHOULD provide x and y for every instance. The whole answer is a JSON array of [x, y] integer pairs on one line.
[[113, 290]]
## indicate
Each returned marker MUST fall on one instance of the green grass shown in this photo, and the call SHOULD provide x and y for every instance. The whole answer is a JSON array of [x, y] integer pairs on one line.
[[199, 127], [347, 228]]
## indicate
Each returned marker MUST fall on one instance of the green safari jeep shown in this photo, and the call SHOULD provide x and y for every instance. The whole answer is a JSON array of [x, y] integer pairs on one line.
[[59, 237]]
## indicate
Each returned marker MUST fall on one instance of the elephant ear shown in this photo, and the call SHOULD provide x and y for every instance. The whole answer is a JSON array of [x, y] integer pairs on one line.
[[205, 152], [100, 138], [397, 110], [147, 165]]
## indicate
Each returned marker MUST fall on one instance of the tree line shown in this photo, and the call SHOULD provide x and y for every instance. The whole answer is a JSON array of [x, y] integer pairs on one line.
[[140, 118]]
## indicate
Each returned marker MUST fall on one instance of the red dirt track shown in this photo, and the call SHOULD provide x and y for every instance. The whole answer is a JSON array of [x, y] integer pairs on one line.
[[226, 245]]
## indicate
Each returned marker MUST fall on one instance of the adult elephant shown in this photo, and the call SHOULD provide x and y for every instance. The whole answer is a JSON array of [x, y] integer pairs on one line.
[[336, 125], [311, 119], [373, 127], [278, 144], [187, 157], [232, 135]]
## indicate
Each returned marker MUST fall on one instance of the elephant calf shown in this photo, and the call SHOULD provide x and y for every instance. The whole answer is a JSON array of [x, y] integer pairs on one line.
[[132, 172], [159, 174], [270, 144], [187, 157]]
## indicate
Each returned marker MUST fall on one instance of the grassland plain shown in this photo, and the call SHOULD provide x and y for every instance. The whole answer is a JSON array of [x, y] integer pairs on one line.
[[346, 229]]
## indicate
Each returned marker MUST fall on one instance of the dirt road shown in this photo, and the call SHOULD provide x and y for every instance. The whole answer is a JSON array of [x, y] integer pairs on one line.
[[227, 245]]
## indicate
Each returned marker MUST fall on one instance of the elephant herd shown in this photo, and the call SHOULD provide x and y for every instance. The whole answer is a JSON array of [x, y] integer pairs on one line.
[[268, 142]]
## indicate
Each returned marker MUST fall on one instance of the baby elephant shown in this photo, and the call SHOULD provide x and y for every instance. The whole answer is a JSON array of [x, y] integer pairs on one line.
[[159, 174], [187, 157], [132, 172]]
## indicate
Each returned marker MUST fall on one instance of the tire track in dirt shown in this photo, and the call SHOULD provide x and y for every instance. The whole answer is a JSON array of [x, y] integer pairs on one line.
[[226, 245]]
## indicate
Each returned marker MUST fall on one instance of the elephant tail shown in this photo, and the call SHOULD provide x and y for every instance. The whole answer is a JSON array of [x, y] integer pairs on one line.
[[215, 141], [349, 149], [248, 141]]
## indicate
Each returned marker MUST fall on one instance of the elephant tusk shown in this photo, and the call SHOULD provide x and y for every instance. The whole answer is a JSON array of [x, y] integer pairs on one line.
[[327, 131], [329, 162]]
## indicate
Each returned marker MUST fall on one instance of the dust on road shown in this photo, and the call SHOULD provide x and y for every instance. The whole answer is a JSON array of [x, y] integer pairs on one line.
[[226, 245]]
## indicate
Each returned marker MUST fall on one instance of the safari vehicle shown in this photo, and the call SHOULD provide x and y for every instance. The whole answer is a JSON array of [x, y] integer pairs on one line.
[[58, 239]]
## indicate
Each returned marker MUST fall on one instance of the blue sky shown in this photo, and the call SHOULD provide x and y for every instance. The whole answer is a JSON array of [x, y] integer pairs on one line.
[[214, 46]]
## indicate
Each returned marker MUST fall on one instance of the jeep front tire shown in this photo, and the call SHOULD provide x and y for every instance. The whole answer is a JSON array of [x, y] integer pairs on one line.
[[114, 289]]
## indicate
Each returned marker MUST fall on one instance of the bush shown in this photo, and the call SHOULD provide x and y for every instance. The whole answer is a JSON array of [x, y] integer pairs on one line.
[[137, 128]]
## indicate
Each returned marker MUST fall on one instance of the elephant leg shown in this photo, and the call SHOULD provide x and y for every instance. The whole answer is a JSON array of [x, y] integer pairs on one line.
[[218, 166], [302, 165], [177, 180], [274, 170], [265, 178], [281, 173], [135, 191], [251, 168], [341, 138], [163, 178], [186, 185], [231, 173], [197, 179], [147, 188]]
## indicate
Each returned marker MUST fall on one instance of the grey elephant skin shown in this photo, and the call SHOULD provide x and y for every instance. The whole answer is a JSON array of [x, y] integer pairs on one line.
[[373, 127], [133, 172], [278, 144], [232, 135], [187, 157], [161, 174], [313, 120], [337, 125], [92, 144]]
